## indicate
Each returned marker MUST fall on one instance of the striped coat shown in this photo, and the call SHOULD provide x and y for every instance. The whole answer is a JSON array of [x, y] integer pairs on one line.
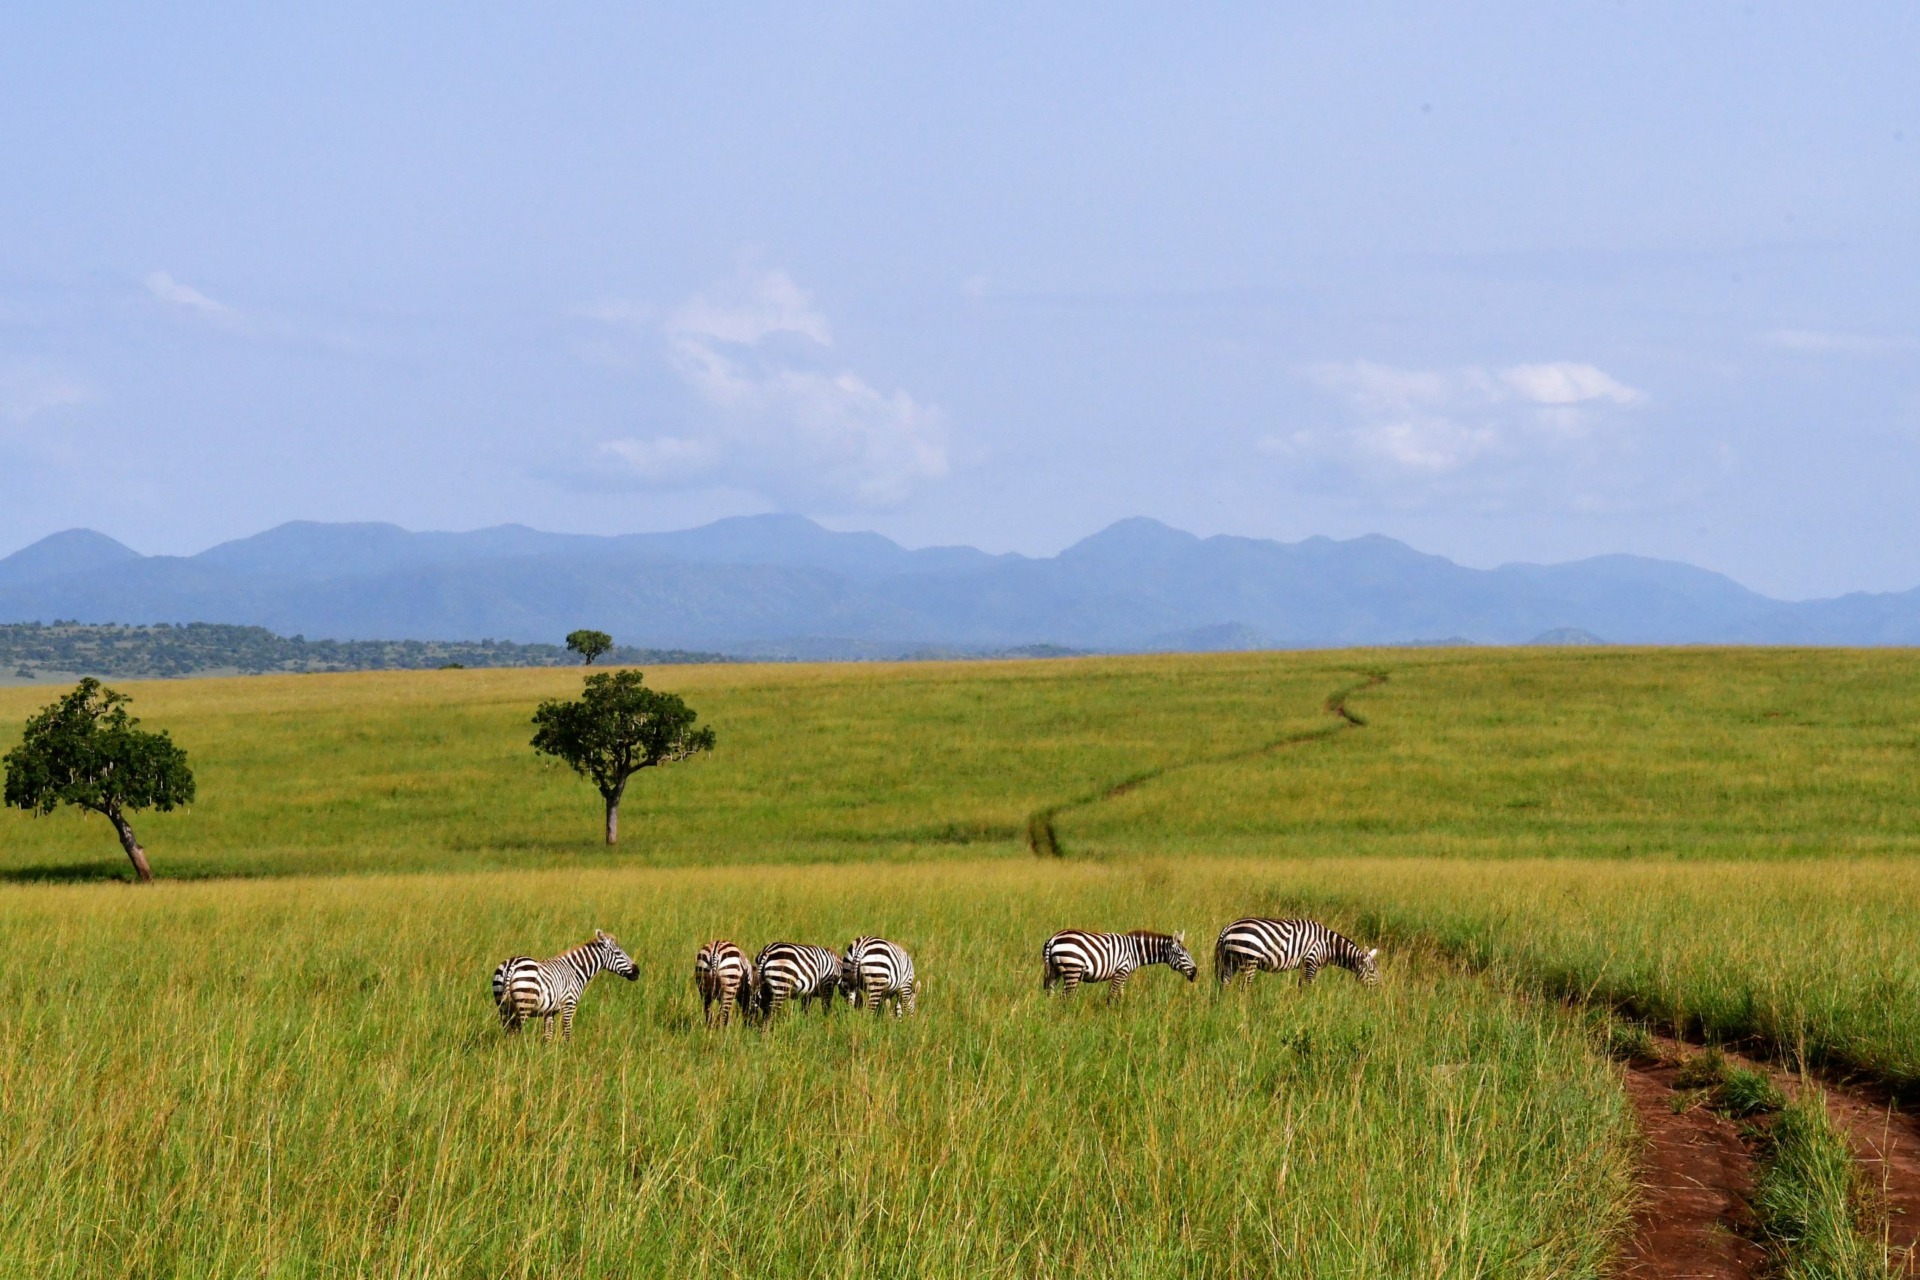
[[527, 988], [875, 971], [1074, 956], [724, 977], [1248, 946], [786, 971]]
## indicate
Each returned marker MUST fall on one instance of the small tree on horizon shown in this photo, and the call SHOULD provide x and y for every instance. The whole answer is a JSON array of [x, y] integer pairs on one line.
[[589, 644], [616, 728], [85, 750]]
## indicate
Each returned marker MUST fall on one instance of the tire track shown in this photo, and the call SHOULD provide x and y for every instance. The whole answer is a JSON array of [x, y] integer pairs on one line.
[[1043, 837], [1695, 1217]]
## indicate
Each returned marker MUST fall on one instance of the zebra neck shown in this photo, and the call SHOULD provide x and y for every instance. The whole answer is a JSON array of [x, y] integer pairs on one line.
[[586, 961], [1150, 950]]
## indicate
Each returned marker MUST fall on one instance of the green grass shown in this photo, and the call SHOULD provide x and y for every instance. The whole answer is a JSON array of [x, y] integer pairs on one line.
[[305, 1078], [298, 1076], [1812, 1201]]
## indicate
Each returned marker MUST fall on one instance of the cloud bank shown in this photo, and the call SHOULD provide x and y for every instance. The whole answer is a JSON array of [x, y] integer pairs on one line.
[[1434, 422]]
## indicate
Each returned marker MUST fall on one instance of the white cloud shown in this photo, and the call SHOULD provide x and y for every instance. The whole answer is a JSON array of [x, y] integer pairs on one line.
[[1816, 342], [751, 306], [1564, 383], [29, 389], [164, 287], [779, 417], [1435, 421]]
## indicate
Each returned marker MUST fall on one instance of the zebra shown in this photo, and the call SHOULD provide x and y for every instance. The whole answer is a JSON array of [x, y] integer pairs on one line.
[[527, 988], [1248, 946], [786, 971], [876, 972], [724, 976], [1074, 956]]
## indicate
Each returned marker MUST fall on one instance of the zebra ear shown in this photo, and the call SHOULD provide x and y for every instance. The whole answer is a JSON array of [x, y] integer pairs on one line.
[[1371, 954], [1180, 938], [601, 935]]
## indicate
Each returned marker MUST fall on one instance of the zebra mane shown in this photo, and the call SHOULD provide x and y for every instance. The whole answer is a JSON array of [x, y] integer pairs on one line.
[[1150, 934]]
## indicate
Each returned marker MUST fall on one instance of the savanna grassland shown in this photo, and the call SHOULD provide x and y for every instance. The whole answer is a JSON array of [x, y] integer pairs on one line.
[[283, 1061]]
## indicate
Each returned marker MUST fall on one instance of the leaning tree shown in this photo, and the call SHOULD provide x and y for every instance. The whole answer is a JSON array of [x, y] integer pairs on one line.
[[616, 728], [589, 644], [85, 750]]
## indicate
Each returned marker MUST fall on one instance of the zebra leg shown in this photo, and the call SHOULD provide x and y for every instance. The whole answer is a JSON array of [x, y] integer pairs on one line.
[[1069, 983], [566, 1022], [912, 1000], [546, 1029], [1246, 975], [1309, 970], [1119, 987]]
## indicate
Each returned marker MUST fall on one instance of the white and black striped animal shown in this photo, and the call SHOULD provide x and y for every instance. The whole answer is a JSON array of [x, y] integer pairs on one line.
[[724, 976], [875, 972], [1074, 956], [1248, 946], [527, 988], [786, 971]]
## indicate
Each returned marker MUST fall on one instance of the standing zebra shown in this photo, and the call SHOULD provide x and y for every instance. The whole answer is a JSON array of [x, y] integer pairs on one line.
[[1074, 956], [876, 971], [527, 988], [786, 971], [724, 976], [1248, 946]]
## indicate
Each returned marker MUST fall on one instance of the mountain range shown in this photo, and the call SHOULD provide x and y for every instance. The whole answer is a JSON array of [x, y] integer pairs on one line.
[[783, 586]]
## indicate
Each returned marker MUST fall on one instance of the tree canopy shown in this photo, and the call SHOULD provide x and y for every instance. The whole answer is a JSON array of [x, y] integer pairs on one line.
[[86, 750], [589, 644], [616, 728]]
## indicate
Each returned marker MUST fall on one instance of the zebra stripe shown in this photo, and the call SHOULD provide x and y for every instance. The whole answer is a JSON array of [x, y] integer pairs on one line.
[[876, 971], [1074, 956], [724, 977], [527, 988], [1248, 946], [786, 971]]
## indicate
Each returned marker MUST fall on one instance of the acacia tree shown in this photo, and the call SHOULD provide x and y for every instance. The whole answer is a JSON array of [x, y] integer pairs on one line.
[[589, 644], [616, 728], [85, 750]]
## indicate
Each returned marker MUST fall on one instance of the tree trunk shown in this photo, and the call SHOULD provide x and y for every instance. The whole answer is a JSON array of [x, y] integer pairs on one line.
[[135, 853], [613, 819]]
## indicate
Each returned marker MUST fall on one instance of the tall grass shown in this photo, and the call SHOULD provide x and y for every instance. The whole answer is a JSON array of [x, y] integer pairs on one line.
[[304, 1078], [1815, 958]]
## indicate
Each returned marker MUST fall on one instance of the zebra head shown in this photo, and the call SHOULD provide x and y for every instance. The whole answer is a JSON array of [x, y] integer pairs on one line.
[[1178, 957], [850, 972], [613, 957], [1365, 967]]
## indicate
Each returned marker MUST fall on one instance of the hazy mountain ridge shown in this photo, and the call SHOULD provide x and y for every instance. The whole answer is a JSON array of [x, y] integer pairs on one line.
[[784, 585]]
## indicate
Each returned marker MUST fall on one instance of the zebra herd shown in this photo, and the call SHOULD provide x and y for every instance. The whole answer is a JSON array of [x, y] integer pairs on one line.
[[874, 973]]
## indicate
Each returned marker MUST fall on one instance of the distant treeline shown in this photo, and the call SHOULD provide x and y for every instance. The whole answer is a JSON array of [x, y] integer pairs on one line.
[[31, 648]]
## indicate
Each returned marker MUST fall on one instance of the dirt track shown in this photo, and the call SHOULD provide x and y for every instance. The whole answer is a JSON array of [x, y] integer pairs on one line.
[[1695, 1178]]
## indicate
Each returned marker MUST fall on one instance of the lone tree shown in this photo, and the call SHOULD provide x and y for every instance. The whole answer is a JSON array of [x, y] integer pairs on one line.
[[84, 750], [617, 728], [589, 644]]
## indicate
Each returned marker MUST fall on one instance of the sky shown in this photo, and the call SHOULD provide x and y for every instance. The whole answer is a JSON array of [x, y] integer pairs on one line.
[[1505, 281]]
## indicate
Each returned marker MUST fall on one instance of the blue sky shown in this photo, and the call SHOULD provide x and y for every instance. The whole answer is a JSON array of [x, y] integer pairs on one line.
[[1510, 282]]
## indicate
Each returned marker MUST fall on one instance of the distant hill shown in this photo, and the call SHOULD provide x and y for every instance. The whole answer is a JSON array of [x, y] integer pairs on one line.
[[783, 586]]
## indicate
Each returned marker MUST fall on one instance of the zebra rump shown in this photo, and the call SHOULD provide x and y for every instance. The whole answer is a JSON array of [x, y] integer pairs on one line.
[[724, 978], [1253, 944], [875, 972], [786, 971]]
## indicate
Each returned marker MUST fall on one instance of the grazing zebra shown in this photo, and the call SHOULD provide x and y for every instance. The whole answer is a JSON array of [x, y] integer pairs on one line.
[[527, 988], [1248, 946], [786, 971], [876, 971], [1074, 956], [724, 976]]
